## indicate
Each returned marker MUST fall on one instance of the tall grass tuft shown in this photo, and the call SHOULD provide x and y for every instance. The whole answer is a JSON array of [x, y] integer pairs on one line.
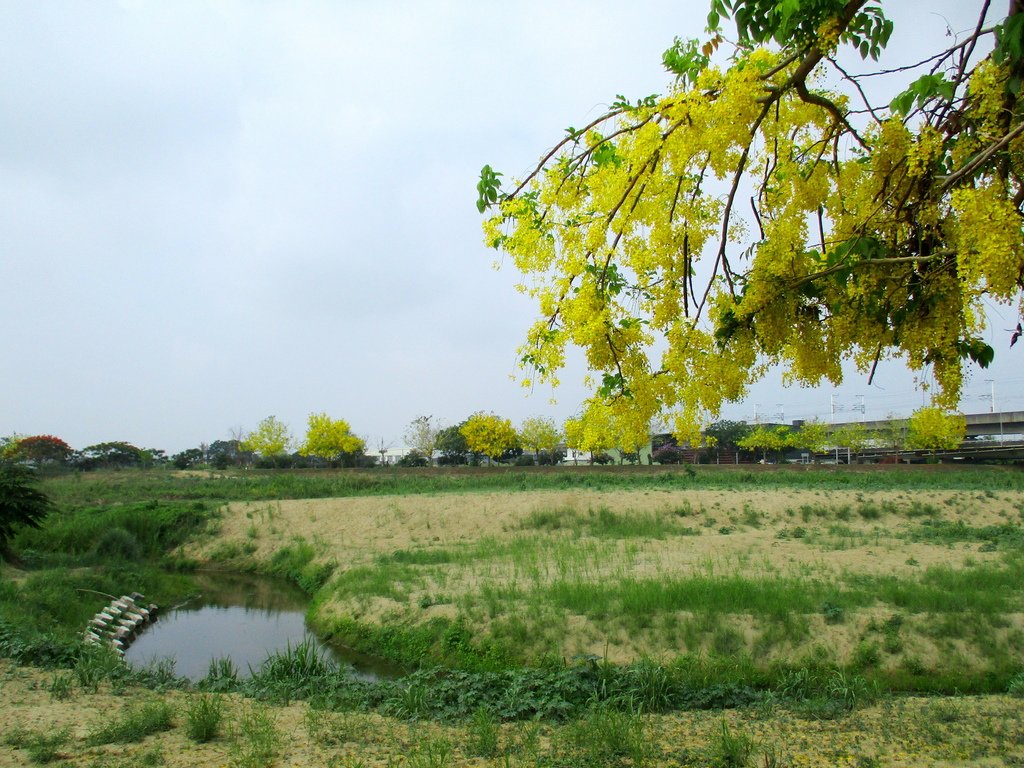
[[731, 749], [256, 741], [204, 714]]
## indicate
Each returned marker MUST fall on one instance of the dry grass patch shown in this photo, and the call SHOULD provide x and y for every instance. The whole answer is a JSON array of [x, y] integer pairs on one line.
[[568, 572]]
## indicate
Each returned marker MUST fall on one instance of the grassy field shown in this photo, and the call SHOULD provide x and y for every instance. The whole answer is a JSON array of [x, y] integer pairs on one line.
[[682, 616]]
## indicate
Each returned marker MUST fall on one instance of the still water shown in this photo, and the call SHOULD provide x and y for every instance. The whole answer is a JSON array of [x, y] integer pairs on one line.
[[241, 617]]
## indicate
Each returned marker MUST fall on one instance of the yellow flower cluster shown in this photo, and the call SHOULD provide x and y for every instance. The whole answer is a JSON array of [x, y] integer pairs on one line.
[[687, 246]]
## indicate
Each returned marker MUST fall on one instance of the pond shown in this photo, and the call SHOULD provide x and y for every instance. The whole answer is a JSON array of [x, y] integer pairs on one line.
[[244, 618]]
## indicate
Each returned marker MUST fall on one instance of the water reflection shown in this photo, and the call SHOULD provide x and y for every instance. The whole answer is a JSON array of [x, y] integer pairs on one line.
[[241, 617]]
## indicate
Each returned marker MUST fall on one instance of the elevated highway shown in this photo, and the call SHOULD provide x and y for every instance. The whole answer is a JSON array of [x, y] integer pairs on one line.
[[978, 424]]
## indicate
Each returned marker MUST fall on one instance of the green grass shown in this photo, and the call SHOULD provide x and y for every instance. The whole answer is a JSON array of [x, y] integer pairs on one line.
[[42, 617], [98, 488], [255, 741], [604, 523], [1005, 536], [296, 563], [134, 723], [118, 533], [42, 747], [509, 599], [204, 715]]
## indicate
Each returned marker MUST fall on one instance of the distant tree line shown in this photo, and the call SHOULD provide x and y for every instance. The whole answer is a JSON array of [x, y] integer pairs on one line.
[[487, 438]]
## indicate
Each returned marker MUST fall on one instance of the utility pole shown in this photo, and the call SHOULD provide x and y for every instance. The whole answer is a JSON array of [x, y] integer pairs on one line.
[[992, 406]]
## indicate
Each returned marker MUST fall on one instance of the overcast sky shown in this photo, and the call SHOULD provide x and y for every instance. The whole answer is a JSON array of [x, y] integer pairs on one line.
[[211, 212]]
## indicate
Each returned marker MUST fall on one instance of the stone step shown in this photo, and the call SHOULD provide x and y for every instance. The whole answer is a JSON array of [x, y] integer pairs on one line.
[[118, 622]]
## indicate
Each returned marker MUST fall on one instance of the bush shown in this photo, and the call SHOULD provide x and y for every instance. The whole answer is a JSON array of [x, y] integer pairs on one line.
[[669, 454], [550, 458], [451, 460], [413, 459], [525, 461], [117, 544]]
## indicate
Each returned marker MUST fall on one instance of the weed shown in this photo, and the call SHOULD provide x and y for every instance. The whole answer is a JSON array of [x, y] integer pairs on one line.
[[116, 544], [869, 511], [1016, 685], [42, 747], [134, 723], [944, 711], [256, 742], [865, 655], [847, 690], [96, 664], [914, 665], [222, 675], [300, 665], [649, 686], [203, 716], [296, 562], [329, 729], [483, 734], [411, 703], [431, 753], [604, 734], [60, 686], [728, 642], [834, 614], [772, 757], [152, 757], [731, 749]]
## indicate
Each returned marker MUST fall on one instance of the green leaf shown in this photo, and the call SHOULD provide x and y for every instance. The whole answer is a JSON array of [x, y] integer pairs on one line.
[[613, 384], [685, 60], [977, 350], [1010, 40], [924, 89], [605, 153], [488, 188]]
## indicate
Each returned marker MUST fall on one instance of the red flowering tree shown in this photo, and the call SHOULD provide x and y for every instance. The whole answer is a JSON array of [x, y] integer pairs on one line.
[[42, 449]]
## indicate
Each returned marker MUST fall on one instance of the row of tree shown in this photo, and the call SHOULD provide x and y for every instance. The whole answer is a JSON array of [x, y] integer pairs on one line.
[[48, 450], [330, 442], [927, 429]]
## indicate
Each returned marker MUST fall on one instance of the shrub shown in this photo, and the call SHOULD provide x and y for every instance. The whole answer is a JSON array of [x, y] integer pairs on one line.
[[550, 458], [117, 544], [669, 454], [413, 459]]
